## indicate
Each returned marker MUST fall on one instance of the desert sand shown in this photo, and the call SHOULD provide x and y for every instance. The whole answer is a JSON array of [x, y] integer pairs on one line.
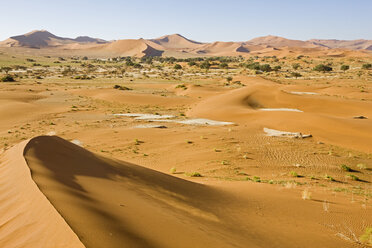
[[97, 152]]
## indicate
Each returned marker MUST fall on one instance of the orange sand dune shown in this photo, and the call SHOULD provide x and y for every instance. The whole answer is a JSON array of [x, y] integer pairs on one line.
[[27, 219], [117, 204], [329, 119], [137, 48], [176, 41], [110, 203]]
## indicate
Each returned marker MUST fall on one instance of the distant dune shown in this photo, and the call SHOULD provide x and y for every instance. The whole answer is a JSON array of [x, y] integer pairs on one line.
[[177, 45], [43, 38]]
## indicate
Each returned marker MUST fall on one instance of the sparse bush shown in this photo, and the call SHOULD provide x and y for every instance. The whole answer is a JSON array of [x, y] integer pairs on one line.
[[229, 79], [173, 170], [193, 174], [177, 67], [256, 179], [367, 66], [181, 86], [353, 177], [345, 167], [119, 87], [295, 66], [265, 68], [344, 67], [329, 178], [224, 65], [322, 68], [7, 78], [294, 174], [367, 236], [295, 74]]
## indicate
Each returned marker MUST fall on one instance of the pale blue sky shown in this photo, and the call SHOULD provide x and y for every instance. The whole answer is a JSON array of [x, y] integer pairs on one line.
[[209, 20]]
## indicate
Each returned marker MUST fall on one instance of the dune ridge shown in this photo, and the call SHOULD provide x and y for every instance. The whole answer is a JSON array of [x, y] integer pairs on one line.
[[27, 218], [110, 203]]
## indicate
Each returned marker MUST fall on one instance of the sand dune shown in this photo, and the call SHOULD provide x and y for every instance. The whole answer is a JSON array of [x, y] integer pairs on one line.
[[275, 41], [328, 119], [176, 41], [27, 219], [137, 48], [110, 203], [117, 204], [43, 38], [179, 46], [349, 44]]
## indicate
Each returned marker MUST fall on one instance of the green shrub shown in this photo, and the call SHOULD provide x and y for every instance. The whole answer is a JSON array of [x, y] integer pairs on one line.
[[7, 78], [294, 174], [256, 179], [177, 67], [322, 68], [345, 67], [353, 177], [345, 167], [367, 66], [224, 65], [193, 174], [367, 236], [295, 66]]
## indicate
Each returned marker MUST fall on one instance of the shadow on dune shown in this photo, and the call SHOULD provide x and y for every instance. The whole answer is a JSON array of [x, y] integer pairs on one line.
[[101, 198]]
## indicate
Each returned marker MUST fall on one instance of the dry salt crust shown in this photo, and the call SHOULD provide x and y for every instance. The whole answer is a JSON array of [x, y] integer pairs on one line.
[[303, 93], [146, 116], [277, 133], [281, 109], [165, 118], [149, 126]]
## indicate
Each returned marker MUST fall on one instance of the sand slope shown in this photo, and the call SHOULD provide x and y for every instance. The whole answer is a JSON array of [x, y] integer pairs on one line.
[[328, 119], [43, 38], [116, 204], [27, 219]]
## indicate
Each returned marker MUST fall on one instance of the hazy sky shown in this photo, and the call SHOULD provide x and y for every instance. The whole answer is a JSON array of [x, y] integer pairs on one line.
[[209, 20]]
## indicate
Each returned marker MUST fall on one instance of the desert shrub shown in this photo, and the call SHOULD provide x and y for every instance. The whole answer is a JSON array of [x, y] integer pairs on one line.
[[295, 74], [223, 65], [181, 86], [253, 66], [367, 236], [193, 174], [345, 167], [367, 66], [177, 67], [265, 67], [294, 174], [256, 179], [344, 67], [353, 177], [137, 65], [329, 178], [295, 66], [205, 65], [322, 68], [82, 77], [191, 63], [119, 87], [229, 79], [277, 68], [7, 78]]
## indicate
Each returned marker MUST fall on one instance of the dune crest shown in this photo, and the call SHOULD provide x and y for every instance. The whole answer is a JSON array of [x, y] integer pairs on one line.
[[27, 218]]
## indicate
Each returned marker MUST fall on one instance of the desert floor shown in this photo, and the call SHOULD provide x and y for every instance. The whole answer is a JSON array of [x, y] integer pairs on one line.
[[165, 181]]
